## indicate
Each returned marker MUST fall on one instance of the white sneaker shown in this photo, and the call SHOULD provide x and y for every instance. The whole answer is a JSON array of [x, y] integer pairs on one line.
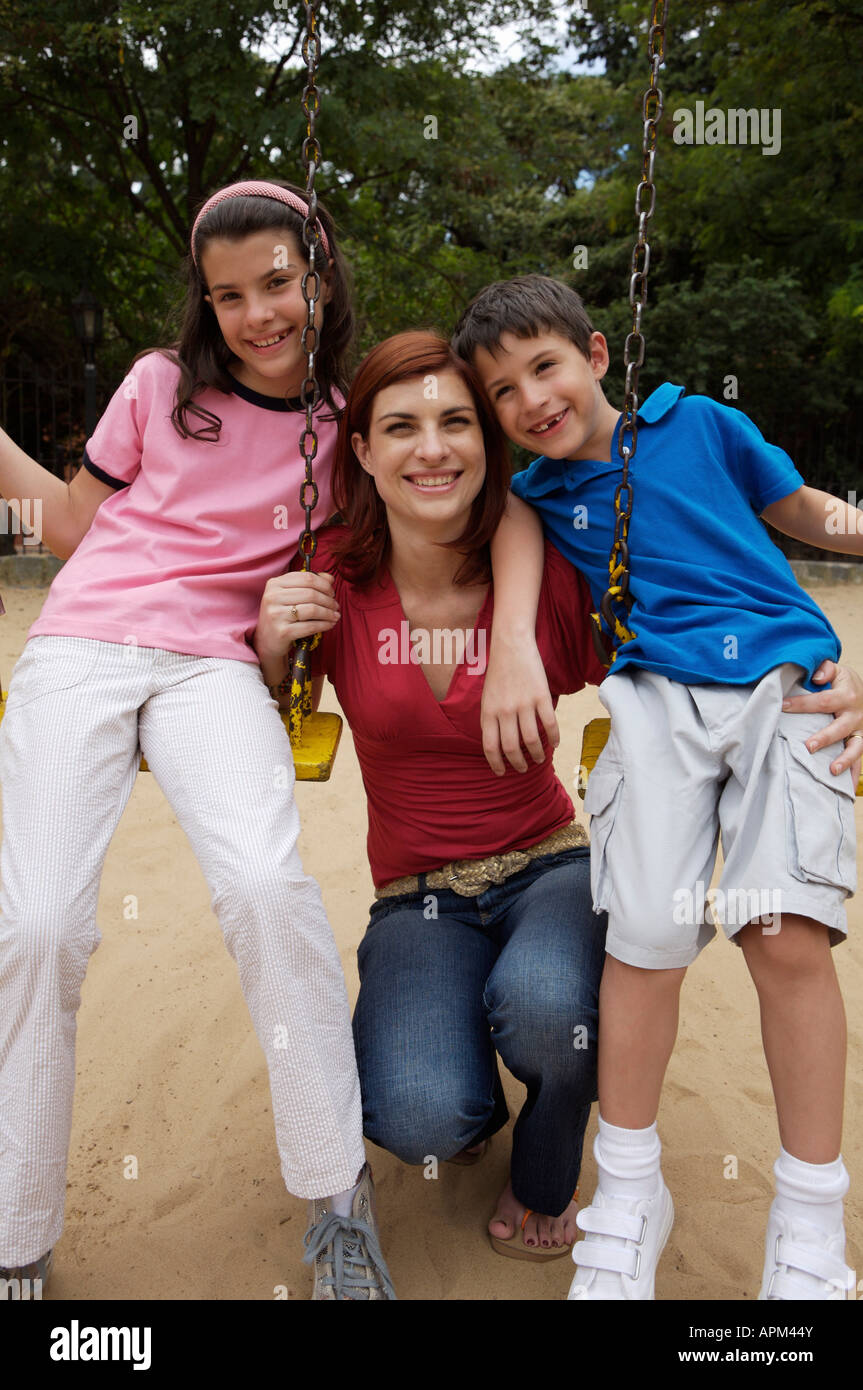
[[624, 1242], [802, 1263]]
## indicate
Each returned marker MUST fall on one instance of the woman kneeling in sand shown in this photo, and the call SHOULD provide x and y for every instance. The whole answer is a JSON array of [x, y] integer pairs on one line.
[[482, 941]]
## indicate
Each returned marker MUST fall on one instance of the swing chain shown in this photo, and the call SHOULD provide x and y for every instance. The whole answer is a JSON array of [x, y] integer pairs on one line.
[[311, 392], [633, 353]]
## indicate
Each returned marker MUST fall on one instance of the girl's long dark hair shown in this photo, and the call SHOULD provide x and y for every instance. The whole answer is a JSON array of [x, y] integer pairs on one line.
[[201, 352], [361, 546]]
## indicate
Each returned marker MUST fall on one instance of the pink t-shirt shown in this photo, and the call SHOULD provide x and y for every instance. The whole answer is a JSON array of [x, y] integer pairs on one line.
[[179, 556]]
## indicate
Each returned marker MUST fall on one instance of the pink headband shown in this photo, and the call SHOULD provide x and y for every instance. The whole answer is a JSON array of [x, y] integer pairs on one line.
[[253, 189]]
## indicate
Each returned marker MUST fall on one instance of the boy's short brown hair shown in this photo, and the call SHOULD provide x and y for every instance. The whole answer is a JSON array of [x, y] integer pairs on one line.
[[526, 306]]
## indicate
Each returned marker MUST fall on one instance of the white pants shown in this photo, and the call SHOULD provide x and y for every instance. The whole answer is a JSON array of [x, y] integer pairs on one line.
[[69, 755]]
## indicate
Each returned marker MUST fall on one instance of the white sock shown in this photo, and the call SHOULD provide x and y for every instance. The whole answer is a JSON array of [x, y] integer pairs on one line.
[[343, 1202], [812, 1192], [628, 1161]]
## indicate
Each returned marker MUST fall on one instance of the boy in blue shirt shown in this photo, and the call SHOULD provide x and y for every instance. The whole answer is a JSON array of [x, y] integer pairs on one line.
[[700, 742]]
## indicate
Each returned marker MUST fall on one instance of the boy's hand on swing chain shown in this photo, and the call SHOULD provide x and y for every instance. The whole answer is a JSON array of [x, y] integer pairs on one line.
[[293, 606], [845, 702], [515, 692]]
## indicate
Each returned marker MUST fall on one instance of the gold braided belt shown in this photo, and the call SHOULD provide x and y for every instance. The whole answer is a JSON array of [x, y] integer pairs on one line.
[[470, 877]]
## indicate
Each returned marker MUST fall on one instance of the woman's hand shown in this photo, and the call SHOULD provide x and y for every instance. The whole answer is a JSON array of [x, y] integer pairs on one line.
[[845, 702], [294, 605], [515, 691]]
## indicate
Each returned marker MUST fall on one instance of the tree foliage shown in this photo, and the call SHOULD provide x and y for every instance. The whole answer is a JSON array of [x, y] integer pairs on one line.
[[447, 167]]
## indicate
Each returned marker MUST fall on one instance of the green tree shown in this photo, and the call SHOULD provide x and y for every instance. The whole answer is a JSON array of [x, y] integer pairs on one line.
[[118, 120], [445, 173]]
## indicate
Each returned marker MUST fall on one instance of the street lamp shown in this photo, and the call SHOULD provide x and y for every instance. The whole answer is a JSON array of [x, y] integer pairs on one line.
[[87, 318]]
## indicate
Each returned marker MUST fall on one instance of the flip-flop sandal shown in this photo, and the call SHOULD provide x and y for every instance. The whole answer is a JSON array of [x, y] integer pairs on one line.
[[467, 1160], [514, 1249]]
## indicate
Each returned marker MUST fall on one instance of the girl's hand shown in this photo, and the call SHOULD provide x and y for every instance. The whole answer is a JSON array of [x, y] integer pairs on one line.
[[294, 605], [845, 702], [515, 691]]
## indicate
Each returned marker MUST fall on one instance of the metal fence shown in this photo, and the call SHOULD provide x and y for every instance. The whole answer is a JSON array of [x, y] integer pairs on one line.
[[828, 453], [42, 409]]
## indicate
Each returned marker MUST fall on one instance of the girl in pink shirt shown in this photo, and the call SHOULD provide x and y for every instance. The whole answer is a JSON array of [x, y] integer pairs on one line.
[[187, 504]]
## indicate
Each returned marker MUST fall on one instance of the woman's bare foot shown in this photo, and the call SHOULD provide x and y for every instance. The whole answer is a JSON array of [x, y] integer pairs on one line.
[[467, 1157], [545, 1231]]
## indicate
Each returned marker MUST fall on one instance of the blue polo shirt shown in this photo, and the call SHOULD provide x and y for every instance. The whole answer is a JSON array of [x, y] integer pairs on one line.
[[715, 600]]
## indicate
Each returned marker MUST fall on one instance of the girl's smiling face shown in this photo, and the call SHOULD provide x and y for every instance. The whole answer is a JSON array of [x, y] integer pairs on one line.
[[256, 294]]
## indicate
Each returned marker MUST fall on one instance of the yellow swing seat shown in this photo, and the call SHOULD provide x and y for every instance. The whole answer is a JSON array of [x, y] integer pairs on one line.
[[315, 750], [594, 740]]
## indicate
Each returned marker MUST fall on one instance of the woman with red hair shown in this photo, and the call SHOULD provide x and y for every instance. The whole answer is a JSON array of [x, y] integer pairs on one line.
[[482, 941]]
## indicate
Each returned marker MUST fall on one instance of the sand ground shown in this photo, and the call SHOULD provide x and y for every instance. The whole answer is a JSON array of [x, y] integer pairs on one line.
[[170, 1072]]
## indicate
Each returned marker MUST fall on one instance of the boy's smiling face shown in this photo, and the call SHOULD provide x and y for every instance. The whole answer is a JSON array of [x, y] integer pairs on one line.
[[547, 394]]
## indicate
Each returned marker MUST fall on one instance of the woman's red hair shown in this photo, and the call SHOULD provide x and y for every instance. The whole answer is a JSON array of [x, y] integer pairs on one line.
[[362, 548]]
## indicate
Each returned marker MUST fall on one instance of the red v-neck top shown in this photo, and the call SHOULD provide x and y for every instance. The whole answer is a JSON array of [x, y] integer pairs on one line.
[[432, 797]]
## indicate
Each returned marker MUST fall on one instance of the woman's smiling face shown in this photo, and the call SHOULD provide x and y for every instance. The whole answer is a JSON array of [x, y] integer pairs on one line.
[[255, 291], [425, 451]]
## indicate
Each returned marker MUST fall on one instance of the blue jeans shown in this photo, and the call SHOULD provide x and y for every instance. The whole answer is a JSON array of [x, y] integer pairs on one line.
[[448, 983]]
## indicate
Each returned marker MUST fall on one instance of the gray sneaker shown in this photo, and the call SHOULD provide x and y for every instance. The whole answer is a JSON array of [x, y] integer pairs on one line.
[[39, 1270], [345, 1250]]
